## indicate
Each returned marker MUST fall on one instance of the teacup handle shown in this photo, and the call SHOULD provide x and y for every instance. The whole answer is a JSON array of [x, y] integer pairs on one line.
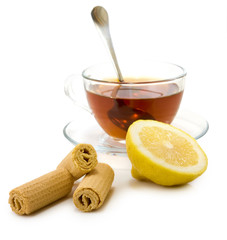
[[74, 92]]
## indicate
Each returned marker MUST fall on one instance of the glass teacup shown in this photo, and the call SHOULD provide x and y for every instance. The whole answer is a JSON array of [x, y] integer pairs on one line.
[[151, 90]]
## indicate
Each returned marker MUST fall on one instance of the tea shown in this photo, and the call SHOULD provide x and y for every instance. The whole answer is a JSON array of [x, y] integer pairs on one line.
[[116, 108]]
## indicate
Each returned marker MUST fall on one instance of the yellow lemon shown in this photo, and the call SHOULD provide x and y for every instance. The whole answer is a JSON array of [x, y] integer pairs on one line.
[[163, 154]]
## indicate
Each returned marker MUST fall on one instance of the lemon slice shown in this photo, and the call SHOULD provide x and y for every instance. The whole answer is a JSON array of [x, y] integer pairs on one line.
[[163, 154]]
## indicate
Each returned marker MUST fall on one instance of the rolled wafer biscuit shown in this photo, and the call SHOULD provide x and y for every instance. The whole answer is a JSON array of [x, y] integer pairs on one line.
[[81, 160], [94, 187], [41, 191]]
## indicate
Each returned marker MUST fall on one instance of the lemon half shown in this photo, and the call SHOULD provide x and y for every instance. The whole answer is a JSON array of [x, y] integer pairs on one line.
[[163, 154]]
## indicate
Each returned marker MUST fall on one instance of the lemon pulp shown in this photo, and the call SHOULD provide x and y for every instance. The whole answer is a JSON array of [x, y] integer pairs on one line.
[[168, 145]]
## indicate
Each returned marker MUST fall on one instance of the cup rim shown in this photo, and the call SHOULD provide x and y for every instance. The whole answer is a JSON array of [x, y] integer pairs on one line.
[[182, 75]]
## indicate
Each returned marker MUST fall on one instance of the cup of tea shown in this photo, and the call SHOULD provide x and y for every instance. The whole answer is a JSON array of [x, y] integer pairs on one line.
[[151, 90]]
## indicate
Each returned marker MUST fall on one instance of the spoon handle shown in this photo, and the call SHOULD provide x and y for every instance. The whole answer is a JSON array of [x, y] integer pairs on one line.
[[101, 20]]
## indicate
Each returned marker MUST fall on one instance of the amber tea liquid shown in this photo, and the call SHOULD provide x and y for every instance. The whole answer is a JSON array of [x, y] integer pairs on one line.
[[116, 108]]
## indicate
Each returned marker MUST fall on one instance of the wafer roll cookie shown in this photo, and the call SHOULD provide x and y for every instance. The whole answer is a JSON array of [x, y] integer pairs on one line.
[[41, 191], [81, 160], [94, 187]]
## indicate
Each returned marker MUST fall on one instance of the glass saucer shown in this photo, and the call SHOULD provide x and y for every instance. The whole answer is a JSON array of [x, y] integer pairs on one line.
[[85, 129]]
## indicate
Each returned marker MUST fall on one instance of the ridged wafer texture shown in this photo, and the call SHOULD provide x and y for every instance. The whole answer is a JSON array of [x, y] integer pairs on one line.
[[41, 191], [81, 160], [94, 188]]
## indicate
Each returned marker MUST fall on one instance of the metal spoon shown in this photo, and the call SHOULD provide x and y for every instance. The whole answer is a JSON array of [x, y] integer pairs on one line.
[[101, 20], [122, 114]]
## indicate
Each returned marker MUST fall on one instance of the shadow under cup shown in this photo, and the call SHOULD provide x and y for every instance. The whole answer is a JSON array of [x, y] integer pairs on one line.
[[152, 90]]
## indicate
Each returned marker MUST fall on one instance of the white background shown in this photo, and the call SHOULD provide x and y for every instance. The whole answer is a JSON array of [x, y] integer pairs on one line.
[[44, 41]]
